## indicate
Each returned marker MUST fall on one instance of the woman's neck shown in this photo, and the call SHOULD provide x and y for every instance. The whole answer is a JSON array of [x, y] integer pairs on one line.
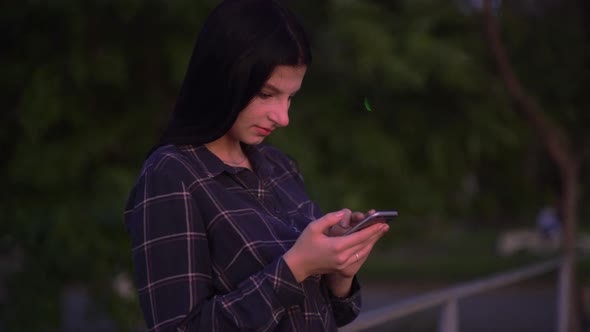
[[229, 151]]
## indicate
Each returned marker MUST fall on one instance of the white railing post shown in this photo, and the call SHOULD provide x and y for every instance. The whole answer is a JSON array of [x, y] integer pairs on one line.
[[563, 294], [449, 317]]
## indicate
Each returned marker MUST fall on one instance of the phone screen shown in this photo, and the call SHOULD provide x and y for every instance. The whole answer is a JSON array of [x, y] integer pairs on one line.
[[377, 217]]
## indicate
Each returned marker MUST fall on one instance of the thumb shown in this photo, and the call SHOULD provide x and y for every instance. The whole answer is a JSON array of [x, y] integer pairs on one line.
[[346, 219], [329, 219]]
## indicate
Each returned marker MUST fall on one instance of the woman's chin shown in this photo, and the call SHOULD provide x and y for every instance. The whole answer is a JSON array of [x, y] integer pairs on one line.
[[253, 140]]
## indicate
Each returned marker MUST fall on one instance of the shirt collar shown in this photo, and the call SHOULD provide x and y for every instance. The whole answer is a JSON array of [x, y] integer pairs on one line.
[[260, 164], [213, 166]]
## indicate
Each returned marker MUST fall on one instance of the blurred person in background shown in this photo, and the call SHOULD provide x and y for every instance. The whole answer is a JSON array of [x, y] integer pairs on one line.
[[548, 223], [224, 236]]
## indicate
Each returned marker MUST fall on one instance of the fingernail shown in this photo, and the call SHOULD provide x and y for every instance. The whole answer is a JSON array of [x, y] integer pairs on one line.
[[384, 228], [340, 213]]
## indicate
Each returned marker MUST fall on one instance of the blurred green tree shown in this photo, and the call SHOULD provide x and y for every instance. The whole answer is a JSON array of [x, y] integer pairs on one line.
[[430, 143], [566, 142], [87, 85]]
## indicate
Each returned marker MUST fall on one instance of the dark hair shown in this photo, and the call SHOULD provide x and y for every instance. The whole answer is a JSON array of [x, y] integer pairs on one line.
[[240, 44]]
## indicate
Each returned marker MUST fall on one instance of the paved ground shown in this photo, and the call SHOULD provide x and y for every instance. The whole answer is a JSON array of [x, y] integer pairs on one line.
[[526, 308]]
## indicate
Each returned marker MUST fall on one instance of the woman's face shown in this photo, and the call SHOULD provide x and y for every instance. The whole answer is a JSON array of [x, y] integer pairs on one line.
[[269, 109]]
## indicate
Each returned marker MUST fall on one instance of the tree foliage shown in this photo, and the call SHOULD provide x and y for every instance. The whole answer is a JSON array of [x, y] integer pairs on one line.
[[87, 86]]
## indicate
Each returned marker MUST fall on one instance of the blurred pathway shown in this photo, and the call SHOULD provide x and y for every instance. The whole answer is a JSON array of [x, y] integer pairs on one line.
[[521, 308]]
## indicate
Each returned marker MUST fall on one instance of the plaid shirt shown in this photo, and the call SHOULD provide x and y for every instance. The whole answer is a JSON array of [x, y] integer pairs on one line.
[[207, 245]]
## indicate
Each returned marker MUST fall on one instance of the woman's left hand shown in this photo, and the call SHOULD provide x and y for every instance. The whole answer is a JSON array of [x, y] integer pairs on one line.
[[341, 281], [363, 252]]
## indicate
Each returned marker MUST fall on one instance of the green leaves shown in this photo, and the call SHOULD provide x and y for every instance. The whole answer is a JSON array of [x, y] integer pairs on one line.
[[87, 87]]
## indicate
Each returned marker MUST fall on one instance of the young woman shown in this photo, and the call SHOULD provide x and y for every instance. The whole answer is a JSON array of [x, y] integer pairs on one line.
[[224, 236]]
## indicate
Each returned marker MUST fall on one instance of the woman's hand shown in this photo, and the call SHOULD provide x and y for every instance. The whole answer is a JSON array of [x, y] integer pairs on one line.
[[342, 256], [349, 220], [340, 282]]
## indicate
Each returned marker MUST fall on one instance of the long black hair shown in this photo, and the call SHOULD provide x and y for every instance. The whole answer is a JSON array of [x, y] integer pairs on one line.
[[240, 44]]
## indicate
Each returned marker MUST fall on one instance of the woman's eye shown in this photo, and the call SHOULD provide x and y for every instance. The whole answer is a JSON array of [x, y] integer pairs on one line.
[[264, 95]]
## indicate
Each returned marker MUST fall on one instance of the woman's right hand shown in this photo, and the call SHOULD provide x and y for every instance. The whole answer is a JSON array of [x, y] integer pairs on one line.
[[316, 253]]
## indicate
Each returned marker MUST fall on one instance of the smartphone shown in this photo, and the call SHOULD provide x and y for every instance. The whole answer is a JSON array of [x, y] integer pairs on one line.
[[379, 216]]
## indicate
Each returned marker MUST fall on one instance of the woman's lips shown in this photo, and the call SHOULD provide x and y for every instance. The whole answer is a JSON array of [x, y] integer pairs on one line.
[[263, 131]]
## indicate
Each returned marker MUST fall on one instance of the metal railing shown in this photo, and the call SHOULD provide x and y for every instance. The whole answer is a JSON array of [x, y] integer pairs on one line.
[[448, 298]]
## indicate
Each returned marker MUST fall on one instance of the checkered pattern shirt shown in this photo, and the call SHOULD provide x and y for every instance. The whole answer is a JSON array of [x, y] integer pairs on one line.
[[207, 245]]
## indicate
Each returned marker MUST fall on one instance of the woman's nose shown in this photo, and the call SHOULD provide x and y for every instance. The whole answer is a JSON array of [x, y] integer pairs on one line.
[[280, 114]]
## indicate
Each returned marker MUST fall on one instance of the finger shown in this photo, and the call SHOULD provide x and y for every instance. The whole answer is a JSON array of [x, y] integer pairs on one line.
[[350, 242], [364, 253], [366, 247], [345, 221], [341, 227], [370, 242], [364, 234], [359, 253], [357, 217], [358, 257], [328, 220]]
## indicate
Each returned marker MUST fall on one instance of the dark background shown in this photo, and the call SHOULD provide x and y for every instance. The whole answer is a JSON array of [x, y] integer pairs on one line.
[[87, 86]]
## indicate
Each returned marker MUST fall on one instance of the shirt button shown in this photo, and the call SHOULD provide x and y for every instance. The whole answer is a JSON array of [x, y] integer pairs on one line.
[[277, 210]]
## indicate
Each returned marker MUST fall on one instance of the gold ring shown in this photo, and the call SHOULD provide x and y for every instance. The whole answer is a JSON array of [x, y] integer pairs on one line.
[[357, 257]]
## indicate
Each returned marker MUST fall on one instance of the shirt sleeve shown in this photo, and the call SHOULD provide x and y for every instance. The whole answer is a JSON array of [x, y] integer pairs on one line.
[[173, 269], [346, 309]]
